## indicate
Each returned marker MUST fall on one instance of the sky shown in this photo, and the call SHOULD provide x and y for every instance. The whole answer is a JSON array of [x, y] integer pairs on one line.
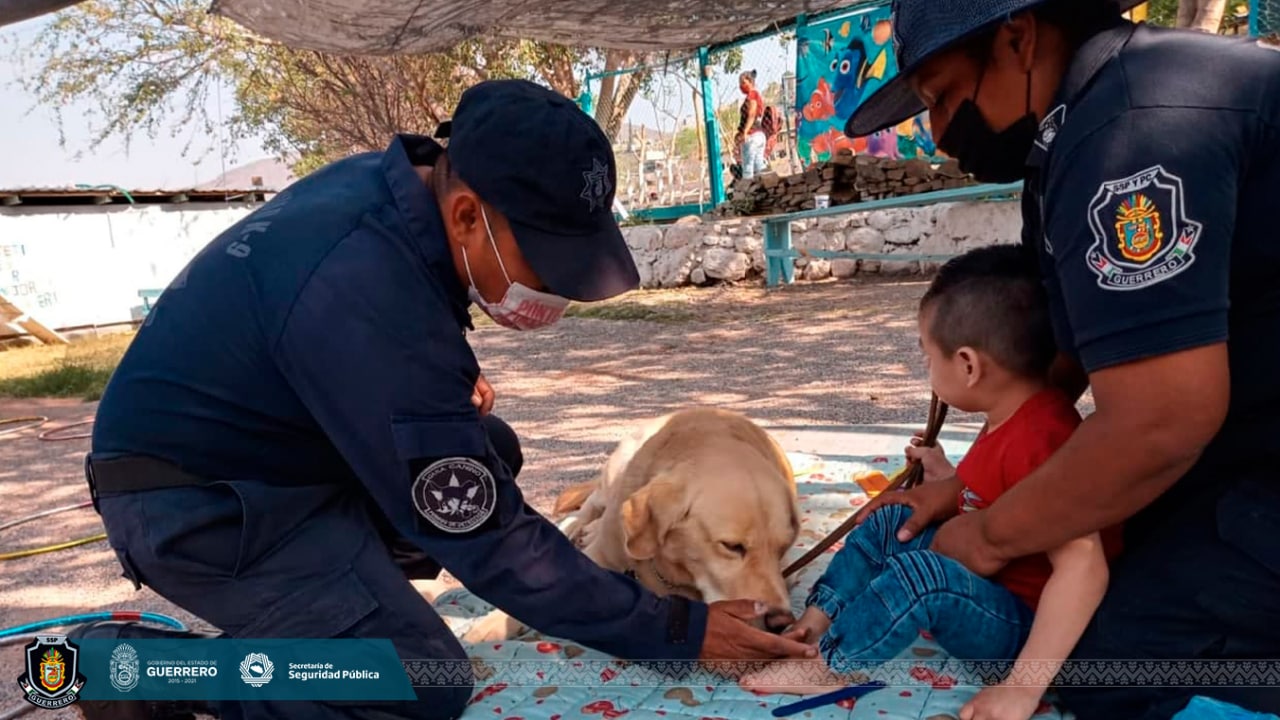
[[33, 157]]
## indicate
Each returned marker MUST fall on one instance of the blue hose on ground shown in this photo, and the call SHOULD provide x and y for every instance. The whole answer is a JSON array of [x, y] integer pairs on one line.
[[93, 617]]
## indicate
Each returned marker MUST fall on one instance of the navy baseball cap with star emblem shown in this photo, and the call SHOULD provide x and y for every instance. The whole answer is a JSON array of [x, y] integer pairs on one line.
[[922, 29], [549, 169]]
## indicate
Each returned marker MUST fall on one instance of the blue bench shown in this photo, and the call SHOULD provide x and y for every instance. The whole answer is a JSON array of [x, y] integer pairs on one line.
[[149, 296], [778, 253]]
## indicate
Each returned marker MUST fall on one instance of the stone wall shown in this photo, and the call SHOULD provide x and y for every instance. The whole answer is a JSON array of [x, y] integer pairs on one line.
[[696, 251], [846, 179]]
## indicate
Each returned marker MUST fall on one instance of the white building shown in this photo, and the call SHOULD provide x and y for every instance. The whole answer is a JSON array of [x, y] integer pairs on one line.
[[78, 258]]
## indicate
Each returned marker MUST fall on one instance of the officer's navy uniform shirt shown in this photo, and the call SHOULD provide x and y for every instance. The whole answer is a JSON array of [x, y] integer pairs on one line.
[[319, 344], [1152, 206]]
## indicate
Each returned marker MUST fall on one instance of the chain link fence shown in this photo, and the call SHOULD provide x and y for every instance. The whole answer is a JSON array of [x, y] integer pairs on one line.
[[765, 64], [652, 114]]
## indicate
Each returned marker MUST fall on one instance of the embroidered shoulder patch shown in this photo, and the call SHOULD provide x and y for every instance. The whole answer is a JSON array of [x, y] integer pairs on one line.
[[1051, 126], [1142, 235], [456, 495]]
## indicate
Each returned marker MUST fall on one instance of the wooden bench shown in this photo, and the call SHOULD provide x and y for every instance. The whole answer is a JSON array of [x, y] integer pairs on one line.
[[779, 254]]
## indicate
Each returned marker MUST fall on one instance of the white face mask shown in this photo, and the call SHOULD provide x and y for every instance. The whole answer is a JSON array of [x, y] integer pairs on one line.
[[522, 307]]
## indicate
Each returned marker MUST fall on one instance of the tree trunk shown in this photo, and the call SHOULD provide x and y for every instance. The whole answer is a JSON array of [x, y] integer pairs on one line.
[[1202, 15], [617, 91]]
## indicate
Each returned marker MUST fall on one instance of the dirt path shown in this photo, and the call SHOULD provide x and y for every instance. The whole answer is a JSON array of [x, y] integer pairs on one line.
[[835, 353]]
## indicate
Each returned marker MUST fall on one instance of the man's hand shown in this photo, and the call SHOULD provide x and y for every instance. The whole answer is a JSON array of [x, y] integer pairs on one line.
[[936, 465], [930, 503], [729, 636], [482, 397], [962, 539], [1003, 702]]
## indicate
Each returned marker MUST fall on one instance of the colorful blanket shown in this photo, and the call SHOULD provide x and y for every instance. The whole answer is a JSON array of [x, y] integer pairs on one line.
[[601, 688]]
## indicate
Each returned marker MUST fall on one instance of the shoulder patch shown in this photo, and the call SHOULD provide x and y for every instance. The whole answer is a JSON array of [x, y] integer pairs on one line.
[[1142, 235], [456, 495], [1051, 126]]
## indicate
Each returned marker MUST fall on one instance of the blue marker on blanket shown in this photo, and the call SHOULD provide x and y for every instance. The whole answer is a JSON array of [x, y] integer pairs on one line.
[[830, 698]]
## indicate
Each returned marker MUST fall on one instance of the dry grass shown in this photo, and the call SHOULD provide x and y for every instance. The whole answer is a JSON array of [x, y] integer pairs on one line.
[[79, 370]]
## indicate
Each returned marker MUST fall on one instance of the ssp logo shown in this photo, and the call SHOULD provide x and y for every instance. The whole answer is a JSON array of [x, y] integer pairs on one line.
[[52, 679]]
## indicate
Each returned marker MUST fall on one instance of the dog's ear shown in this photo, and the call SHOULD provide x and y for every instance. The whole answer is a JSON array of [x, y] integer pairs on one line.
[[639, 534], [649, 514]]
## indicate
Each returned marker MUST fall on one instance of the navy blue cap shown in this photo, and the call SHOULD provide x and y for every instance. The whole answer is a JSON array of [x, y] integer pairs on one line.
[[921, 30], [548, 168]]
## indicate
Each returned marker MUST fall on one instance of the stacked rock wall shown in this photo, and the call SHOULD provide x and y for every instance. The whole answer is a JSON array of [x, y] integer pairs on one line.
[[695, 251], [845, 179]]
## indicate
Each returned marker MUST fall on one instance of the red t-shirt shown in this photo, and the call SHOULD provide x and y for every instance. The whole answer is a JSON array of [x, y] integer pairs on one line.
[[742, 113], [999, 460]]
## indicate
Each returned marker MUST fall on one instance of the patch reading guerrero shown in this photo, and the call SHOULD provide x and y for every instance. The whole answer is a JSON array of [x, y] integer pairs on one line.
[[456, 495], [1142, 235]]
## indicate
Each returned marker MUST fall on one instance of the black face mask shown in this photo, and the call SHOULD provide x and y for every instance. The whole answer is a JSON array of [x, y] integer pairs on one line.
[[990, 156]]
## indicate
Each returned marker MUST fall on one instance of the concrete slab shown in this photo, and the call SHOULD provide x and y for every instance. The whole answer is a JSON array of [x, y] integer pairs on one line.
[[848, 442]]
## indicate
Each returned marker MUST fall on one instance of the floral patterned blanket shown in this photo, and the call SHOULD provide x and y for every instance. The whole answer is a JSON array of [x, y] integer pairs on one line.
[[543, 678]]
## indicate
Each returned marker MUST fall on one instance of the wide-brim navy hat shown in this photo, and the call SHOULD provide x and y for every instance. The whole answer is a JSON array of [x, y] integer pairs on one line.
[[549, 169], [921, 30]]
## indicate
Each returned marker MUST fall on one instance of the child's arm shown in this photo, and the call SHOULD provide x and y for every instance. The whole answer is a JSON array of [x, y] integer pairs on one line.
[[1071, 595]]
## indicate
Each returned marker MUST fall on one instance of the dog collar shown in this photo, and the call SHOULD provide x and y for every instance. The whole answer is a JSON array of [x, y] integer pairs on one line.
[[653, 566]]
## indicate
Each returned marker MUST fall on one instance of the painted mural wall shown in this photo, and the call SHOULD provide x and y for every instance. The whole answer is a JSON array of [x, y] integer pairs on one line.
[[85, 265], [839, 62]]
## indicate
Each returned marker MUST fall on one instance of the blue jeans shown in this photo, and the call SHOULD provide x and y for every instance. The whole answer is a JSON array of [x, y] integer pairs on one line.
[[879, 593], [753, 160]]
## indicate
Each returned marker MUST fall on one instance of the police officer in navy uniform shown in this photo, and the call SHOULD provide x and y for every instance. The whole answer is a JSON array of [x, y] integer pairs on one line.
[[300, 426], [1150, 159]]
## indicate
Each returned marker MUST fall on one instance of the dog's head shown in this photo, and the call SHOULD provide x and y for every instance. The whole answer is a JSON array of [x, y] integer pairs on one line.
[[715, 535]]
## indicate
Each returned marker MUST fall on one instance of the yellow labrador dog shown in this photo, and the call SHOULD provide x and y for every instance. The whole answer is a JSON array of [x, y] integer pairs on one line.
[[701, 503]]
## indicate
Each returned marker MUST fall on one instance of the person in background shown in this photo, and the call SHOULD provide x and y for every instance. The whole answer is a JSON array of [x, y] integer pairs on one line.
[[751, 138]]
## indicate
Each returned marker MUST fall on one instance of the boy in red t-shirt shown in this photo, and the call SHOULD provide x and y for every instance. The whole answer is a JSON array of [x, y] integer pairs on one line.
[[988, 344]]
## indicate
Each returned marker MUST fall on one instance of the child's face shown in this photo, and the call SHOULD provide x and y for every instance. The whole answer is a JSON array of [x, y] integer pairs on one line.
[[951, 377]]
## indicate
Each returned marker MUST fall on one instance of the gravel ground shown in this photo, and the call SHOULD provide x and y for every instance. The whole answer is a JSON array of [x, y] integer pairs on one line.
[[829, 354]]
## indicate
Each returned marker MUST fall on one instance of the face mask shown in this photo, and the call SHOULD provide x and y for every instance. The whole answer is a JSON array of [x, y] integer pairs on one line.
[[522, 307], [990, 156]]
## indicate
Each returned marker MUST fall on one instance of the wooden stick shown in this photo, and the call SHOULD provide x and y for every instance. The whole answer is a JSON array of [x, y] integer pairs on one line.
[[905, 479]]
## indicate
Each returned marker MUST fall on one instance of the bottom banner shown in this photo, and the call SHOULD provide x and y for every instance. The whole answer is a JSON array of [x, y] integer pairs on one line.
[[58, 671]]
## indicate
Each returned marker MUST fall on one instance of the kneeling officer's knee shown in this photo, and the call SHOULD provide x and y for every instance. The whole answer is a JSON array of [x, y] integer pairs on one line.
[[505, 442]]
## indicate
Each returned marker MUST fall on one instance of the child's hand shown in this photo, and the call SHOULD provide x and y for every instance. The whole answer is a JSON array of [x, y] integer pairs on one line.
[[936, 464], [799, 633], [1003, 702]]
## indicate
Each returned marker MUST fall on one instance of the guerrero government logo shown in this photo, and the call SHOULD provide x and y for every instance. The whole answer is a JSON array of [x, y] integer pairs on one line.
[[53, 678], [123, 668]]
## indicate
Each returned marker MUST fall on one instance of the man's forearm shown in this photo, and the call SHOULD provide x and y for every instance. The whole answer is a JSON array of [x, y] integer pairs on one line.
[[1106, 472]]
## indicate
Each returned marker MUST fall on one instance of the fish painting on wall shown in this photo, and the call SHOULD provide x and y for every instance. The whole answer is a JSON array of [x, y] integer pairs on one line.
[[839, 63]]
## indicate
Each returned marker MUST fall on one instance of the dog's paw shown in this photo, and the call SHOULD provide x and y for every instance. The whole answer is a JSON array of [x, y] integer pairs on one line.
[[581, 531], [493, 627]]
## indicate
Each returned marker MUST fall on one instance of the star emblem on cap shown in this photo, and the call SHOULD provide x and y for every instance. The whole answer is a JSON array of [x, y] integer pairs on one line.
[[597, 187]]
